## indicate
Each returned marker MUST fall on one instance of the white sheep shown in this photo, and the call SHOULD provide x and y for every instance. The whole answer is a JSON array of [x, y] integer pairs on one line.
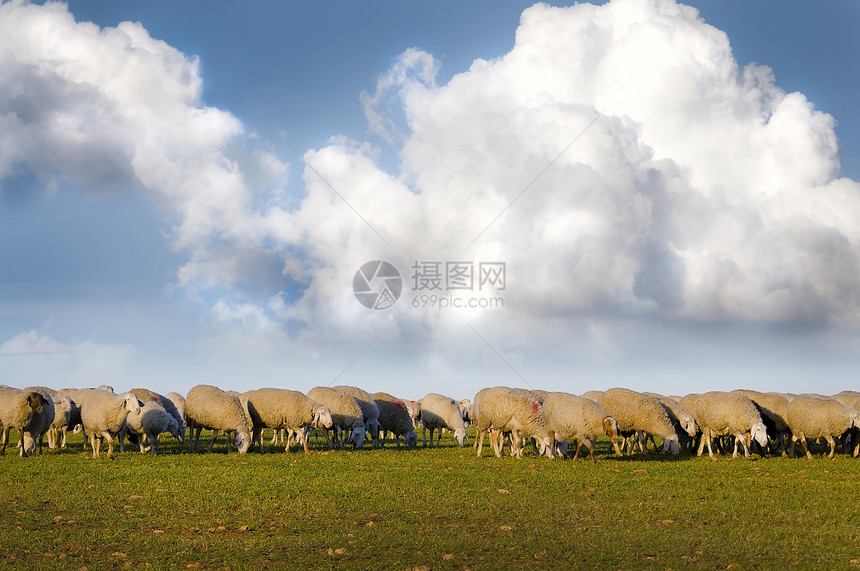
[[572, 417], [283, 408], [149, 424], [167, 404], [213, 409], [811, 416], [638, 414], [466, 409], [369, 410], [394, 418], [63, 407], [103, 415], [720, 413], [346, 415], [178, 402], [16, 411], [773, 408], [502, 409], [438, 412]]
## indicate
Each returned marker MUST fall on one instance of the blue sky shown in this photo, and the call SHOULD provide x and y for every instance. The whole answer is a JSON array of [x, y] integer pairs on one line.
[[698, 234]]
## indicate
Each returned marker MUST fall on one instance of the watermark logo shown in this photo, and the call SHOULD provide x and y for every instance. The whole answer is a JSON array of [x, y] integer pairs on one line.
[[377, 285], [435, 284]]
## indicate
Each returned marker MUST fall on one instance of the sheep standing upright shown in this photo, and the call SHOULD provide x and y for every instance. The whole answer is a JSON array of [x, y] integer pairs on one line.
[[63, 407], [466, 410], [502, 409], [438, 412], [40, 423], [16, 411], [285, 409], [721, 413], [568, 417], [369, 410], [814, 417], [394, 418], [213, 409], [103, 415], [346, 415], [637, 413]]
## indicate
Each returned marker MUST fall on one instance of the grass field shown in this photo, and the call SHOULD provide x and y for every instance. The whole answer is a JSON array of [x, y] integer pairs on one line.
[[424, 509]]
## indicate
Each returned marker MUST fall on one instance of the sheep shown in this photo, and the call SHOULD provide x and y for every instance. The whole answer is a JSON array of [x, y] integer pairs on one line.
[[438, 412], [466, 409], [167, 405], [369, 410], [40, 423], [394, 418], [213, 409], [720, 413], [103, 415], [63, 407], [346, 415], [150, 423], [77, 396], [774, 408], [413, 407], [502, 409], [812, 416], [636, 412], [179, 402], [283, 408], [679, 417], [568, 416], [16, 411]]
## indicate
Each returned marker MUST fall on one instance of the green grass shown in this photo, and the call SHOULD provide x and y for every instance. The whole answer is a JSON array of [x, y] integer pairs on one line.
[[438, 509]]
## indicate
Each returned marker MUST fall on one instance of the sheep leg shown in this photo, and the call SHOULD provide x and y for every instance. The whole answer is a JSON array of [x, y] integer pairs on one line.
[[196, 439], [212, 441], [110, 440], [803, 442], [832, 444], [5, 440], [95, 443], [479, 441], [710, 445]]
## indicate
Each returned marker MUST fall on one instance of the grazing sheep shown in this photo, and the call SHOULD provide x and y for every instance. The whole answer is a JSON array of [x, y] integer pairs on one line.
[[16, 411], [774, 409], [413, 407], [213, 409], [346, 415], [283, 408], [103, 415], [636, 412], [502, 409], [438, 412], [149, 424], [683, 421], [571, 417], [369, 410], [720, 413], [166, 404], [814, 417], [466, 409], [63, 407], [394, 418]]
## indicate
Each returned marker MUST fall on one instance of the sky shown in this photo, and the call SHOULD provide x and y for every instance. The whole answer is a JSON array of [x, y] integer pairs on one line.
[[430, 197]]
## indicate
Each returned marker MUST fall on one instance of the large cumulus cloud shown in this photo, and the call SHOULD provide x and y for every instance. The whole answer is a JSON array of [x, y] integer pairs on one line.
[[618, 159]]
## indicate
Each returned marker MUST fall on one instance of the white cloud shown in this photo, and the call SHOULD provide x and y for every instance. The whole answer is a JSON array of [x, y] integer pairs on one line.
[[702, 193], [33, 358]]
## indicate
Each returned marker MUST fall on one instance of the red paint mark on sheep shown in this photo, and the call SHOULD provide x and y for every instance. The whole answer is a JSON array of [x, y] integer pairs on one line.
[[535, 407]]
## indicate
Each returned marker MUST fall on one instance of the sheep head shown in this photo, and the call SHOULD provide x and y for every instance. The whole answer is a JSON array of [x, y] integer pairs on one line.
[[758, 432], [131, 403], [460, 437], [855, 420], [671, 444], [688, 423], [242, 442], [322, 416], [34, 401], [410, 439], [357, 437]]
